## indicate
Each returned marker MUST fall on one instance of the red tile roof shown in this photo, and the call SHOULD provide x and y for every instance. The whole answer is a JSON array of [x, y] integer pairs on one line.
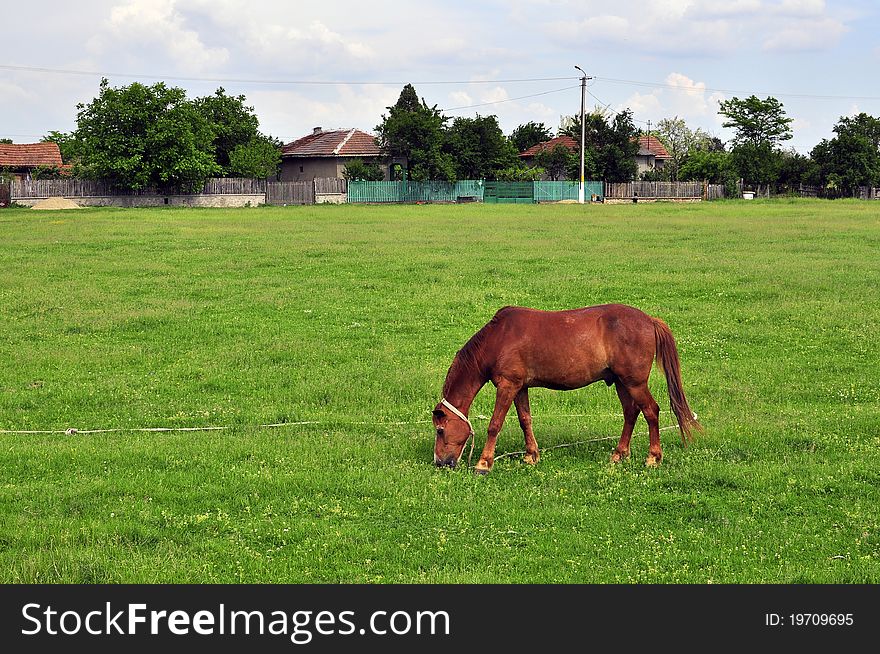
[[653, 144], [29, 155], [567, 141], [335, 143]]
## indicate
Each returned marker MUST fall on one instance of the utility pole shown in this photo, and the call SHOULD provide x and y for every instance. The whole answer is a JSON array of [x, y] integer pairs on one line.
[[583, 132]]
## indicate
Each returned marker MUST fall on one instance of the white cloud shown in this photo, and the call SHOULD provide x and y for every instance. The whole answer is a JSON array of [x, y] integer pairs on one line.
[[680, 96], [289, 115], [460, 99], [800, 35], [156, 23], [695, 27], [495, 94]]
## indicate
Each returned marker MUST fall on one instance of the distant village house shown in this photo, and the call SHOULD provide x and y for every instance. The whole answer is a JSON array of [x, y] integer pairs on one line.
[[326, 154], [651, 155], [21, 160]]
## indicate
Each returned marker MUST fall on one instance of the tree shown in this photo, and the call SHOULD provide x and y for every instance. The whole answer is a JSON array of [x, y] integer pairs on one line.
[[478, 147], [756, 121], [559, 162], [852, 158], [137, 136], [356, 169], [519, 173], [529, 134], [259, 157], [704, 165], [413, 130], [761, 125], [679, 140], [67, 142], [234, 124], [795, 169], [610, 147], [6, 141]]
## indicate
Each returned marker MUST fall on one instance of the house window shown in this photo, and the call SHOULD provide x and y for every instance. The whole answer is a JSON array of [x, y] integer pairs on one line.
[[300, 169]]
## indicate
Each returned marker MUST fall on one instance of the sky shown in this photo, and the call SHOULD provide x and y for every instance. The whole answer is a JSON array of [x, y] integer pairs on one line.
[[339, 64]]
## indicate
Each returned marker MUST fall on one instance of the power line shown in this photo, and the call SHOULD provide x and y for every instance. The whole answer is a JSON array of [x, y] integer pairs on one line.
[[701, 89], [294, 82], [249, 80], [522, 97]]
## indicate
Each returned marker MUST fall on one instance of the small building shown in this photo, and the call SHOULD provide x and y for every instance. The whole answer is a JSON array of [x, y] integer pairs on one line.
[[652, 155], [528, 156], [21, 159], [326, 153]]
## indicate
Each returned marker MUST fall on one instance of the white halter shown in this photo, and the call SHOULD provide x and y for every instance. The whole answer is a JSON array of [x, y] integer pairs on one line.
[[471, 438], [449, 406]]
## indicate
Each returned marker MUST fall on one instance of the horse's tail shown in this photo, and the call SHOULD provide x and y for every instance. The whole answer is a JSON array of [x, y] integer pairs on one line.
[[667, 358]]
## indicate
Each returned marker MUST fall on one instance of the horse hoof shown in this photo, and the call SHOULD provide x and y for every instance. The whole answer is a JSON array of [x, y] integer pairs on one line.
[[617, 457], [531, 459], [652, 461], [481, 471]]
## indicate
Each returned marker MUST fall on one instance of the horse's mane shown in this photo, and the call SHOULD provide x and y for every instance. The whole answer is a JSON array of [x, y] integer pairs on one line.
[[467, 360]]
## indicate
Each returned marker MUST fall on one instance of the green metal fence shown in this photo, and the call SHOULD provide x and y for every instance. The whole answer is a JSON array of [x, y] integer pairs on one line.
[[559, 191], [509, 193], [475, 190], [408, 191]]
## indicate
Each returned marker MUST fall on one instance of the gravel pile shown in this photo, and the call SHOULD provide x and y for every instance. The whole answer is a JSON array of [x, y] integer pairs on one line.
[[56, 203]]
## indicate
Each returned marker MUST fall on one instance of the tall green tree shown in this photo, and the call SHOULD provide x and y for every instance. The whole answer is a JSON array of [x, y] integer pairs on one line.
[[234, 123], [479, 148], [756, 121], [413, 130], [679, 140], [760, 126], [137, 136], [610, 144], [530, 134], [852, 158]]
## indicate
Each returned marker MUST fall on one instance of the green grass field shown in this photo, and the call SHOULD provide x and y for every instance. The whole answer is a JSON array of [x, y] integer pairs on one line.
[[348, 317]]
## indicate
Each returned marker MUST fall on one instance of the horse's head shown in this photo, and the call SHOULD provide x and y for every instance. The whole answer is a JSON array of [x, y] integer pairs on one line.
[[453, 430]]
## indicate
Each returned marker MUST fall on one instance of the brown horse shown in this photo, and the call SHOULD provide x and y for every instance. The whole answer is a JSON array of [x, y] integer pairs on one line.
[[563, 350]]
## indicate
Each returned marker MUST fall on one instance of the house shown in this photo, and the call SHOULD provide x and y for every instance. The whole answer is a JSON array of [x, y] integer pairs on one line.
[[652, 155], [326, 153], [20, 159], [528, 156]]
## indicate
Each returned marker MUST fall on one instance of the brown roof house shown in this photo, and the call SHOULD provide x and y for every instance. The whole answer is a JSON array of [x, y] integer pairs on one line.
[[21, 159], [528, 156], [325, 154], [652, 155]]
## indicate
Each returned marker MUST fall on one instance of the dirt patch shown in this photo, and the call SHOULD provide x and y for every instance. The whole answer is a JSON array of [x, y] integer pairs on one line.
[[56, 203]]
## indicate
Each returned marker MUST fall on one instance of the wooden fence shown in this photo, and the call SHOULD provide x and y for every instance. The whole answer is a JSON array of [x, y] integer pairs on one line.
[[330, 186], [655, 190], [84, 188], [862, 193], [284, 193]]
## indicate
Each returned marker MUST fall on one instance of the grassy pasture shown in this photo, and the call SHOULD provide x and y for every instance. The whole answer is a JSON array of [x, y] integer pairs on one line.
[[348, 317]]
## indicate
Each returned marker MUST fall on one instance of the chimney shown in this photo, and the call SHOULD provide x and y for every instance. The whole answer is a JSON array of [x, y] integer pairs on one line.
[[316, 130]]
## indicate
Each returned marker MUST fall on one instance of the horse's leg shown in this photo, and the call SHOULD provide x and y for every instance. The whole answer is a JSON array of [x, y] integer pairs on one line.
[[524, 412], [503, 399], [630, 415], [651, 410]]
